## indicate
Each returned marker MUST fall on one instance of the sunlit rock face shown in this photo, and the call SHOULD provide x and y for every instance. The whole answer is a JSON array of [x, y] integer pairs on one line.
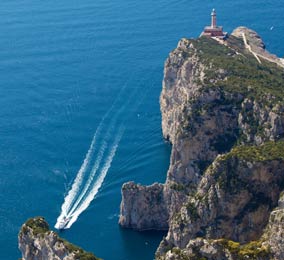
[[37, 242], [223, 112]]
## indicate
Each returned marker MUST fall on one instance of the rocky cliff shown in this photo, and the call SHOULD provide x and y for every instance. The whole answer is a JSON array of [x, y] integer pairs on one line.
[[223, 111], [141, 201], [37, 242]]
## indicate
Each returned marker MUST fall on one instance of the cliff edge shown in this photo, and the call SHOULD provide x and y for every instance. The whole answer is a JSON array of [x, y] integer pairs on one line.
[[222, 107], [37, 242]]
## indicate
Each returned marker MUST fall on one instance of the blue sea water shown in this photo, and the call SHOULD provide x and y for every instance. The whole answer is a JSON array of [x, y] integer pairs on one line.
[[66, 64]]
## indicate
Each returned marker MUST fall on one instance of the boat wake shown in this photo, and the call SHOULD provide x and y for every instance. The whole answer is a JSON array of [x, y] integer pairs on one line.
[[95, 166]]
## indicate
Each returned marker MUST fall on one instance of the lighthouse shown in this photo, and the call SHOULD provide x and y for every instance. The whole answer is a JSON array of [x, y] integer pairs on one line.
[[213, 30], [213, 19]]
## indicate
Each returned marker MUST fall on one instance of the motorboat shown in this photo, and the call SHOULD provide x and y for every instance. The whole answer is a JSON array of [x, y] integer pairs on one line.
[[62, 224]]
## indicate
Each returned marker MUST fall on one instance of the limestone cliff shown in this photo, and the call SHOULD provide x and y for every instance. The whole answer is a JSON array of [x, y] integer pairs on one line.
[[234, 197], [37, 242], [269, 246], [148, 208], [222, 107], [274, 232]]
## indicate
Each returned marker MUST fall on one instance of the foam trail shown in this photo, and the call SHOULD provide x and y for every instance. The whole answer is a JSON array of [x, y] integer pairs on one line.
[[98, 183], [72, 203], [97, 163], [70, 198], [66, 212], [90, 179]]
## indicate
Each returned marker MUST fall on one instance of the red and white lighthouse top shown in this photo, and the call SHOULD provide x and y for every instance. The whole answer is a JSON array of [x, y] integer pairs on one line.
[[213, 30]]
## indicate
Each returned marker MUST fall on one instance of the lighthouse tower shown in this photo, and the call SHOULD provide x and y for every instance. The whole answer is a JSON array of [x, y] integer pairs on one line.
[[213, 19], [213, 30]]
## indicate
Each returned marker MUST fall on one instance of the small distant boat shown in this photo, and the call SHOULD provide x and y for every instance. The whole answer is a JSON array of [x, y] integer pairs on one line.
[[62, 224], [271, 28]]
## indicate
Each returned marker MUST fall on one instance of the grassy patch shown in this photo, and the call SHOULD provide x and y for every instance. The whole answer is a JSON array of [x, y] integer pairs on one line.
[[80, 254], [266, 152], [177, 186], [37, 224], [252, 250], [241, 72]]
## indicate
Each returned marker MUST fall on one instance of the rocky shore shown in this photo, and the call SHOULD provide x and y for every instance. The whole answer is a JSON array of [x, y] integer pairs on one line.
[[223, 112], [38, 242]]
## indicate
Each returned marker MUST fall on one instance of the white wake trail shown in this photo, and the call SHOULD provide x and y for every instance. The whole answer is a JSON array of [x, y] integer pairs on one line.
[[80, 194], [69, 200], [89, 181], [99, 181], [96, 166]]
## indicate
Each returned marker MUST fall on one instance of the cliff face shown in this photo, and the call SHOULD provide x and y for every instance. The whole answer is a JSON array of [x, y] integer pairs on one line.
[[37, 242], [233, 199], [274, 231], [143, 207], [269, 246], [222, 110]]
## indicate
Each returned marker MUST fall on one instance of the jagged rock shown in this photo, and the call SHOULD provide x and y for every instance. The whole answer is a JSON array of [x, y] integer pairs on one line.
[[147, 207], [216, 97], [219, 249], [274, 232], [233, 200], [271, 120], [253, 38], [268, 247], [257, 44], [37, 242]]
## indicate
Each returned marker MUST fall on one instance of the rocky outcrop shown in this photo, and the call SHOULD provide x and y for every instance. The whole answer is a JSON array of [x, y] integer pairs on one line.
[[37, 242], [217, 249], [143, 208], [257, 44], [223, 112], [268, 247], [274, 232], [267, 122], [233, 199]]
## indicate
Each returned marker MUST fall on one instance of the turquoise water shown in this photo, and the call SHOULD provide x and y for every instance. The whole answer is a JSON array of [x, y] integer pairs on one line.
[[66, 65]]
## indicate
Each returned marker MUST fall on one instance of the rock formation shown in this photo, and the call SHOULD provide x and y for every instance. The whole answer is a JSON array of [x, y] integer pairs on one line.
[[147, 206], [37, 242], [223, 112], [257, 44]]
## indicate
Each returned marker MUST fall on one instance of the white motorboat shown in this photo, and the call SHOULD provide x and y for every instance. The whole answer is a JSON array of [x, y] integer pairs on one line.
[[62, 224]]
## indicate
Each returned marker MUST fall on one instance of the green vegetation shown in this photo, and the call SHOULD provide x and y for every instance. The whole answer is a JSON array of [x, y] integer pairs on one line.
[[227, 174], [177, 186], [234, 73], [80, 254], [266, 152], [192, 210], [181, 255], [40, 227], [252, 250], [234, 69], [37, 224]]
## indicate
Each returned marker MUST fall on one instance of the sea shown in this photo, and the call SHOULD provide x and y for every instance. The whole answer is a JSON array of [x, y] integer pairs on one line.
[[79, 108]]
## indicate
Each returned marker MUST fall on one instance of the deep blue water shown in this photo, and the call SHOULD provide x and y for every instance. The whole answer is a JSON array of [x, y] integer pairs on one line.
[[63, 65]]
